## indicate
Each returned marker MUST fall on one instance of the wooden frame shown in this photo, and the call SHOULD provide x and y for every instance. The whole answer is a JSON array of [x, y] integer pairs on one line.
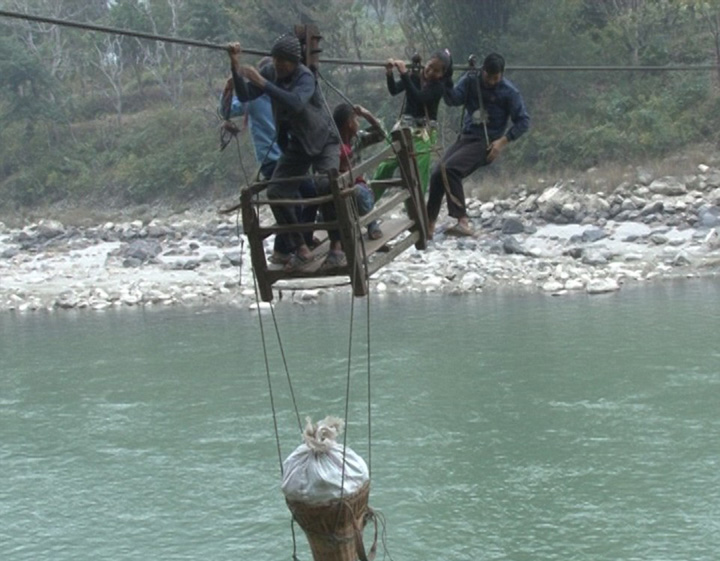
[[364, 257]]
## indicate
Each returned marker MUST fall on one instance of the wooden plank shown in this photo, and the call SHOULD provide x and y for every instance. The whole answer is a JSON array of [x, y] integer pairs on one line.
[[387, 183], [347, 218], [383, 206], [391, 230], [372, 162], [266, 231], [381, 259], [257, 252], [408, 169], [293, 202]]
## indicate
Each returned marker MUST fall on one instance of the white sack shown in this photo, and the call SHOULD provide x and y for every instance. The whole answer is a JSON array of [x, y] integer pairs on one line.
[[314, 471]]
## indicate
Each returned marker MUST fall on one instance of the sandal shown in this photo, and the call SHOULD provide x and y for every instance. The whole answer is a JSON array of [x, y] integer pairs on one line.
[[297, 262], [334, 260], [460, 230], [278, 258]]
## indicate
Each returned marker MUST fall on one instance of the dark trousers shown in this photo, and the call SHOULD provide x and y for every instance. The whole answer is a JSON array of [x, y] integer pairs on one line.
[[294, 163], [304, 213], [460, 160]]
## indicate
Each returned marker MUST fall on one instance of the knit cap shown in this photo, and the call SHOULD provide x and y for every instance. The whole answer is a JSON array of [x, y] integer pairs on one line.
[[286, 47]]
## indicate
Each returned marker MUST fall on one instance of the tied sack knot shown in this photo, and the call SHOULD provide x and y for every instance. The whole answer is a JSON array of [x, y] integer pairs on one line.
[[320, 438]]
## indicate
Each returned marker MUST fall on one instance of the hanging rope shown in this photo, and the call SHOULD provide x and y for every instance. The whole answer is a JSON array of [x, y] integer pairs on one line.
[[268, 377], [272, 310], [356, 232]]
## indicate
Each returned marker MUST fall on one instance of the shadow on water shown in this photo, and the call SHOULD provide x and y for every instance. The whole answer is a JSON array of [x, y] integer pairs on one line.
[[504, 426]]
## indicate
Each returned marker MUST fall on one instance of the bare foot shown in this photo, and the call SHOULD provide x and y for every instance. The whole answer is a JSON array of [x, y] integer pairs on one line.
[[304, 252]]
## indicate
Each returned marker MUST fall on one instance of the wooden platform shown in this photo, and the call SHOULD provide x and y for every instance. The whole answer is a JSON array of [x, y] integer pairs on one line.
[[403, 198]]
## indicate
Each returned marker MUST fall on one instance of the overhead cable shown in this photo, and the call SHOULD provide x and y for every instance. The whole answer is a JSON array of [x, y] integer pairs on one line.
[[341, 61]]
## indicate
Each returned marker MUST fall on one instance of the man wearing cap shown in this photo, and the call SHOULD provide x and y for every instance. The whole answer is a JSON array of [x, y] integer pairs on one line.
[[305, 134]]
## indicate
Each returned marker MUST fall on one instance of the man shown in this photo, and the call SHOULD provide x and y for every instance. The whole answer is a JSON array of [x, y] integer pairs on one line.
[[259, 115], [490, 102], [305, 135]]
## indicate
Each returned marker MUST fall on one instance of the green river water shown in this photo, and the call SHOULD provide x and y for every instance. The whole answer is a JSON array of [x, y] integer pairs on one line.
[[502, 426]]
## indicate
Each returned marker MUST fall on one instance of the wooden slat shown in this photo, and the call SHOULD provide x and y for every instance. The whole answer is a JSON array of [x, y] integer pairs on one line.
[[266, 231], [391, 230], [381, 259], [383, 206], [387, 183], [372, 162], [293, 202]]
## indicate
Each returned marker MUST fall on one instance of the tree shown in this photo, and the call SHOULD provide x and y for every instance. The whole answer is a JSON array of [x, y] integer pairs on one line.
[[166, 61], [25, 84], [111, 64], [131, 14], [642, 27], [708, 12]]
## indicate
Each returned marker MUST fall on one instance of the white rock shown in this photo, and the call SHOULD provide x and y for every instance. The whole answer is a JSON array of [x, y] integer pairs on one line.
[[668, 186], [471, 281], [552, 286], [131, 299], [600, 286], [432, 282], [574, 284]]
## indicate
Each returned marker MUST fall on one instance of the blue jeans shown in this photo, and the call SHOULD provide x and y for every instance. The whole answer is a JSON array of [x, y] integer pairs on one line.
[[365, 201]]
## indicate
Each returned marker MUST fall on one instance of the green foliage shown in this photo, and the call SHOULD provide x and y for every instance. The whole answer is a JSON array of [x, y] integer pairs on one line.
[[24, 84], [167, 157], [60, 136]]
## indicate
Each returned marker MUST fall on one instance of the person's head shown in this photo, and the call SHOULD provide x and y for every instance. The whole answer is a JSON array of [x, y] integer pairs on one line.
[[286, 52], [346, 120], [493, 69], [439, 66]]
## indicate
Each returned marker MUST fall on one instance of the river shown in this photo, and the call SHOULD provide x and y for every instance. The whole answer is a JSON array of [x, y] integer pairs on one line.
[[501, 425]]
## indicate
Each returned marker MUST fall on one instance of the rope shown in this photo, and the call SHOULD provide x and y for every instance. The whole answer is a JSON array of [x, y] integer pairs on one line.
[[357, 234], [262, 330], [285, 364], [267, 374], [120, 31], [341, 61], [345, 98]]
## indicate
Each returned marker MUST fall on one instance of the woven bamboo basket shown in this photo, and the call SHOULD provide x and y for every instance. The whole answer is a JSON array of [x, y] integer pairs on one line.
[[333, 528]]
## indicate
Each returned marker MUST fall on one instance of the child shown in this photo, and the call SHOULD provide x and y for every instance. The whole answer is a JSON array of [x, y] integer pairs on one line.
[[423, 92], [304, 133], [353, 141]]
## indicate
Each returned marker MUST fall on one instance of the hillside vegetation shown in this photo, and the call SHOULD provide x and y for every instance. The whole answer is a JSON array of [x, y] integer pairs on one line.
[[105, 120]]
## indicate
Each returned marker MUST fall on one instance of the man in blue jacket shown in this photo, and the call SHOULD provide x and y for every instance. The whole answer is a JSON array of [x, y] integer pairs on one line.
[[305, 134], [491, 101]]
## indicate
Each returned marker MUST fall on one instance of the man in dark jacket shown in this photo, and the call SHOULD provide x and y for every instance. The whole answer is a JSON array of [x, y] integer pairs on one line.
[[491, 101], [305, 132]]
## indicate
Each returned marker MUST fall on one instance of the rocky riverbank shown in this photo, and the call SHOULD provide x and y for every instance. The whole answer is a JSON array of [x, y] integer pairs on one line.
[[557, 240]]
